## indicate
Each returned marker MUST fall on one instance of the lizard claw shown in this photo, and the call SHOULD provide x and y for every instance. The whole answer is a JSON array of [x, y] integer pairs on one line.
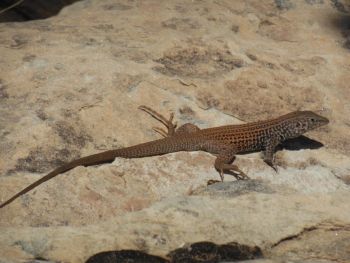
[[242, 176], [270, 163], [210, 182], [222, 175], [274, 168], [161, 131]]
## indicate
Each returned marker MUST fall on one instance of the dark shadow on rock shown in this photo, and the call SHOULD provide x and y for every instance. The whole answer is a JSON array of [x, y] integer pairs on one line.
[[209, 252], [239, 187], [31, 10], [339, 6], [341, 23], [201, 252], [301, 142], [125, 256]]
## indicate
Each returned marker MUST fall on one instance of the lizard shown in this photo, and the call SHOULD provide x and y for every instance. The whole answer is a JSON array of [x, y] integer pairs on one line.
[[223, 141]]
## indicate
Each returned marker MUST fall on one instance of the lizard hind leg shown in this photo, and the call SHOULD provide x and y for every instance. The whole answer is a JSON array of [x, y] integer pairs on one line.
[[187, 128], [168, 123], [224, 158], [223, 164]]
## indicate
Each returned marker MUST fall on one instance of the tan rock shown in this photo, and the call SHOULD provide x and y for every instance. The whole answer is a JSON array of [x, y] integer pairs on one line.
[[70, 86]]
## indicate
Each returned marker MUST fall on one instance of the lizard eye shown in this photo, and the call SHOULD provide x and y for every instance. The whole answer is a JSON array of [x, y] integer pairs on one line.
[[312, 119]]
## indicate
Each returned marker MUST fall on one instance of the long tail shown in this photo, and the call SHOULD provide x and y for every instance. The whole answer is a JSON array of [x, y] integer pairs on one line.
[[85, 161], [152, 148]]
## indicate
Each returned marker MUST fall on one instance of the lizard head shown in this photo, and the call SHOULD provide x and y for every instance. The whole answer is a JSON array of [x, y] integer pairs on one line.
[[304, 121]]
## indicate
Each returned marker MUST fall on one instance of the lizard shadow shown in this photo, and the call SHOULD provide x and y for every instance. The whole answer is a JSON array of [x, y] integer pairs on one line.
[[300, 143]]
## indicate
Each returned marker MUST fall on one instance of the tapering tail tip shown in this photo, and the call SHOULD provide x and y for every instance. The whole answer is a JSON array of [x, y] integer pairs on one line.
[[9, 201], [2, 205]]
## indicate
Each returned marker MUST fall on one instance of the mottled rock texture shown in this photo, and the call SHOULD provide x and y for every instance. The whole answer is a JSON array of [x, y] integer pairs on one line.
[[70, 86]]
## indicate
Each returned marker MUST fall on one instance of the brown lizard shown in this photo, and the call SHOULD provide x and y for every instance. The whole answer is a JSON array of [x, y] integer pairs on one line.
[[224, 141]]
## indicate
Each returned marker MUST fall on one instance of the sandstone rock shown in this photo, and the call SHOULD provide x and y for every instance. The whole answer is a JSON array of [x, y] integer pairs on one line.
[[70, 86]]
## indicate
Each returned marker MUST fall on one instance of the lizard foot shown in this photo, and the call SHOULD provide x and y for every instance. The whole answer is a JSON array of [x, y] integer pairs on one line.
[[270, 163], [232, 170], [210, 182], [168, 123]]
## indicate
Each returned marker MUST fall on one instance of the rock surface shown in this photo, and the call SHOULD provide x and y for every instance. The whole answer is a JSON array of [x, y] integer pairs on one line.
[[70, 86]]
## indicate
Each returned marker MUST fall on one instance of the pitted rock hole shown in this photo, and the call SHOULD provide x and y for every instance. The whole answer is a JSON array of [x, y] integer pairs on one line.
[[207, 252], [125, 256], [210, 252]]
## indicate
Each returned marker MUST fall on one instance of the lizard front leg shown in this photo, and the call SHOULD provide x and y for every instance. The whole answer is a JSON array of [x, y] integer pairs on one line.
[[168, 123], [269, 152]]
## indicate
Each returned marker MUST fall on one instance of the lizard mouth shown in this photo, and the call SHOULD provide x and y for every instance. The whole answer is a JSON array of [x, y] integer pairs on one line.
[[323, 121]]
